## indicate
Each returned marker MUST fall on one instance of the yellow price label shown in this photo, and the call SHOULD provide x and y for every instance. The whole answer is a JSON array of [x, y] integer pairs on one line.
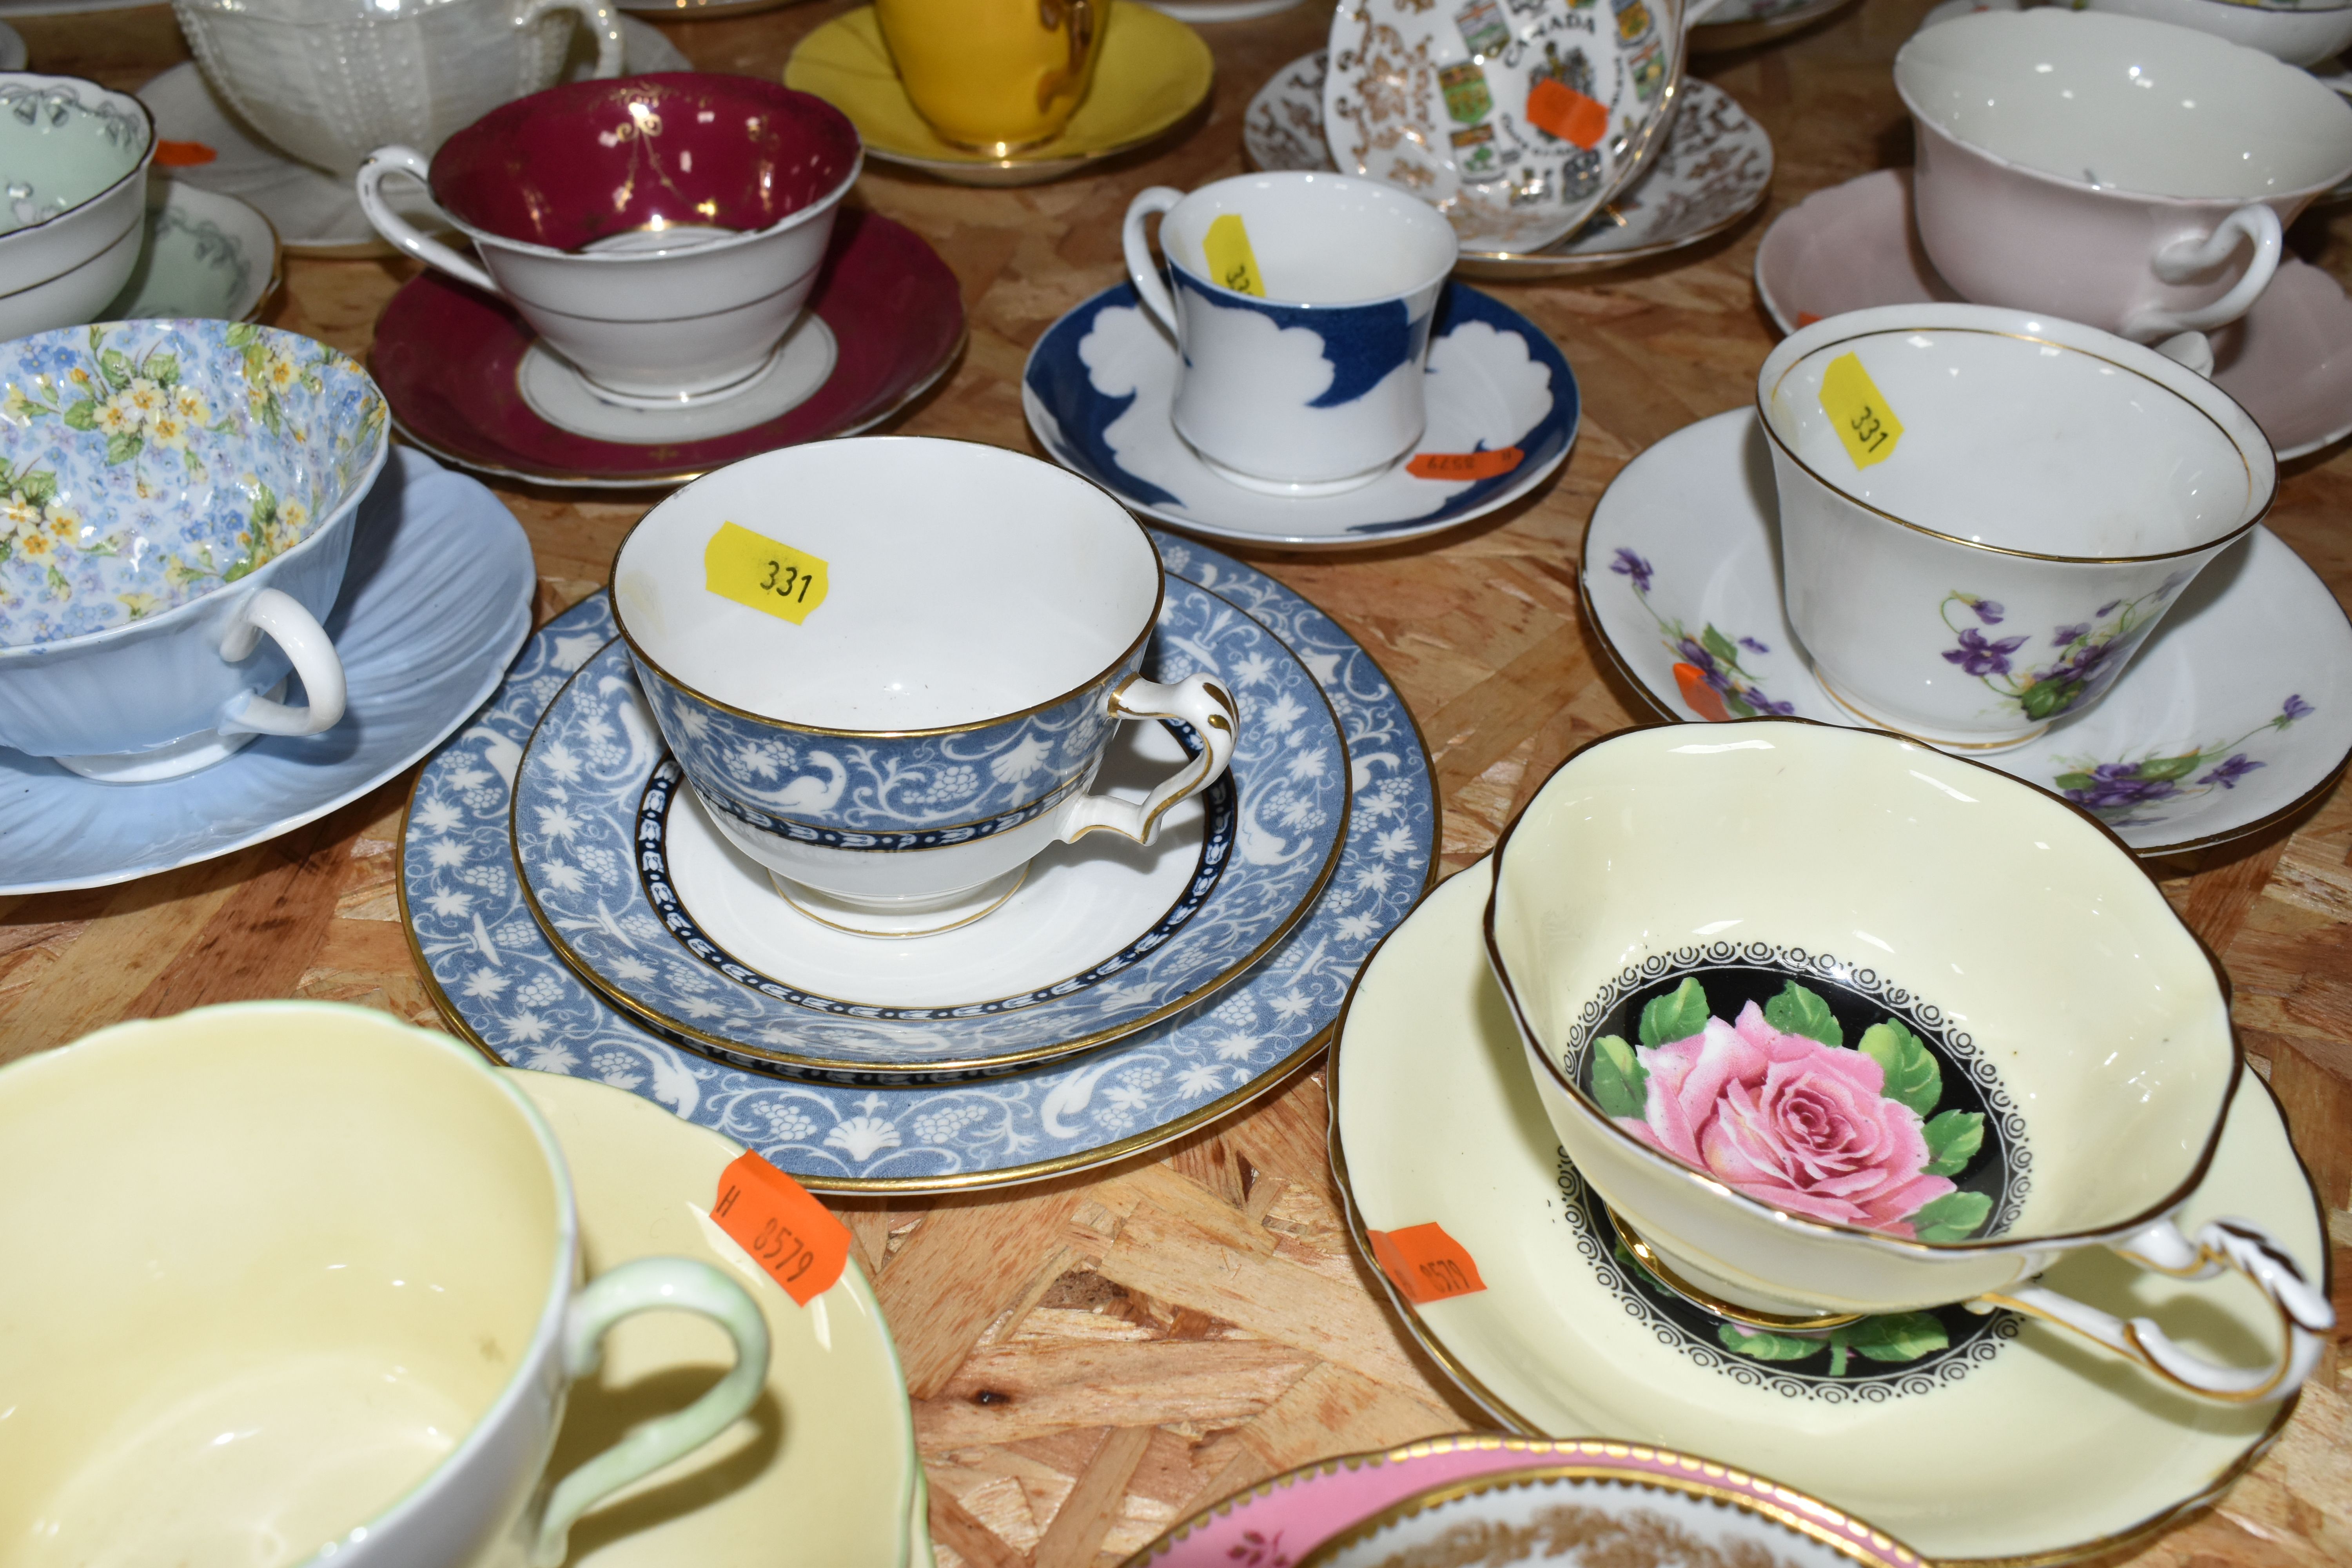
[[753, 569], [1858, 409], [1230, 260]]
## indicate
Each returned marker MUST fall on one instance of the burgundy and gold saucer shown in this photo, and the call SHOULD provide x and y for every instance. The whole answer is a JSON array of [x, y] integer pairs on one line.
[[468, 383]]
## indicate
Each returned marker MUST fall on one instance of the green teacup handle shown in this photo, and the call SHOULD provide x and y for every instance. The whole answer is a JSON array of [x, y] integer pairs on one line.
[[645, 1285], [2236, 1246], [1214, 717]]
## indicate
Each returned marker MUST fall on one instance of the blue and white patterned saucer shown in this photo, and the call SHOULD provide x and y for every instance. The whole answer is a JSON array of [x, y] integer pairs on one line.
[[1103, 938], [499, 982], [2237, 711], [1099, 385], [434, 601]]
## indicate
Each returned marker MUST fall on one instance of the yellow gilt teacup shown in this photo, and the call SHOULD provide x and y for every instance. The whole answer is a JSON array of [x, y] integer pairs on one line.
[[998, 76]]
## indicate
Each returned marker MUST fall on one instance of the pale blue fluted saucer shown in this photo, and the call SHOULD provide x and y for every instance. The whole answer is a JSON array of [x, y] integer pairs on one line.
[[435, 603]]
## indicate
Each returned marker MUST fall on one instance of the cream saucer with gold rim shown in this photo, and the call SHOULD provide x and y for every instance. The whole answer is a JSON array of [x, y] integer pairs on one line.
[[826, 1459], [1982, 1439]]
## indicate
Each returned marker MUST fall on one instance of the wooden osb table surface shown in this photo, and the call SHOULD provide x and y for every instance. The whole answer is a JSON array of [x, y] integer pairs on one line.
[[1097, 1358]]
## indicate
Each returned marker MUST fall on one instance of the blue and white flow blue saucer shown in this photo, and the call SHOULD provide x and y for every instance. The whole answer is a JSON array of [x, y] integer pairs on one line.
[[435, 603], [500, 983], [1100, 383], [659, 912]]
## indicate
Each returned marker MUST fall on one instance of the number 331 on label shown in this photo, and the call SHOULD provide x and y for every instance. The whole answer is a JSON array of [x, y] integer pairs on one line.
[[768, 576]]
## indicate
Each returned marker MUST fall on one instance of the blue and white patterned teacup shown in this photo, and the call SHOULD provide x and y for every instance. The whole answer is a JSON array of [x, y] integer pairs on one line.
[[169, 492], [1302, 377], [889, 668]]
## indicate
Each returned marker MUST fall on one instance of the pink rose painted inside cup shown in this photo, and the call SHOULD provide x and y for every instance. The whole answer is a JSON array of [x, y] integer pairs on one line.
[[1782, 1111], [660, 233]]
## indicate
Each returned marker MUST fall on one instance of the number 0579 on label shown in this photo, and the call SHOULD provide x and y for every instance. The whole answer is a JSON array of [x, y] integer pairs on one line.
[[762, 573]]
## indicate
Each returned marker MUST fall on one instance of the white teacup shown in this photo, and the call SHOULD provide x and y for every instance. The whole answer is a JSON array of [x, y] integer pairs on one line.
[[1984, 513], [330, 81], [1842, 1027], [889, 668], [297, 1282], [2112, 170], [2301, 35], [1310, 382], [661, 233]]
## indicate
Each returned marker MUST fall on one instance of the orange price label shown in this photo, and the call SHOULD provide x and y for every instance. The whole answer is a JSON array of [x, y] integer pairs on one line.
[[1425, 1264], [182, 155], [1556, 106], [1464, 465], [775, 1220]]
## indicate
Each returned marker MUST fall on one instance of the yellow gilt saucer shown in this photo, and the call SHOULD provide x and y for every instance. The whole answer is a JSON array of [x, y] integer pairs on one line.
[[1154, 71]]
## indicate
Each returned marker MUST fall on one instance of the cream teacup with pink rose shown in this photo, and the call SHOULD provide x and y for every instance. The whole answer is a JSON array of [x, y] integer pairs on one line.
[[1842, 1029]]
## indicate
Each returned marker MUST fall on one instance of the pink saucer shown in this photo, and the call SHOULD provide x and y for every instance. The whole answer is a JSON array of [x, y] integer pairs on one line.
[[449, 359], [1278, 1522], [1853, 246]]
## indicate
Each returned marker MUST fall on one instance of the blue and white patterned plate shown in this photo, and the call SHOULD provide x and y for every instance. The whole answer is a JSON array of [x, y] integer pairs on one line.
[[434, 601], [499, 982], [1099, 385], [2236, 712], [594, 799]]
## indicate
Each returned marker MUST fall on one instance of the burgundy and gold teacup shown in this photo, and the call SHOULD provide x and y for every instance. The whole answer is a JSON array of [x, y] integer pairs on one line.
[[659, 232]]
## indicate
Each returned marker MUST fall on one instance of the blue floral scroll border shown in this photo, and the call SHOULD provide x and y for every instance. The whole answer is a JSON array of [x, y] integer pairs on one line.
[[497, 981], [576, 834]]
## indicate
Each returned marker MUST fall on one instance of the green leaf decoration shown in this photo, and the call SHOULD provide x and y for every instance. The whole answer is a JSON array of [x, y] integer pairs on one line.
[[1676, 1017], [58, 586], [123, 446], [1913, 1078], [272, 418], [40, 486], [1797, 1011], [241, 569], [242, 334], [115, 368], [164, 368], [1953, 1140], [2165, 769], [7, 552], [82, 415], [1955, 1216], [2049, 698], [1897, 1336], [1715, 643], [1619, 1081], [1738, 704], [1766, 1347]]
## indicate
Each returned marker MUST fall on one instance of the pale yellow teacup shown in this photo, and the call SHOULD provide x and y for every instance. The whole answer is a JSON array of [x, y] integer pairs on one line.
[[996, 76]]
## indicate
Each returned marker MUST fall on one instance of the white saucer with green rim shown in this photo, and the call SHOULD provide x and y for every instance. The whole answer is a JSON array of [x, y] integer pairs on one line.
[[826, 1457], [1991, 1441], [2235, 714], [207, 254]]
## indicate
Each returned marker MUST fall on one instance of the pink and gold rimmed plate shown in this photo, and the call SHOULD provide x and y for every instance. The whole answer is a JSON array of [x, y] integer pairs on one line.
[[468, 382]]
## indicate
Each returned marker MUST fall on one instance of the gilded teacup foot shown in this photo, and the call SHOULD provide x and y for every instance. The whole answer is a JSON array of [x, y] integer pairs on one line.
[[1909, 732], [906, 918], [1665, 1273]]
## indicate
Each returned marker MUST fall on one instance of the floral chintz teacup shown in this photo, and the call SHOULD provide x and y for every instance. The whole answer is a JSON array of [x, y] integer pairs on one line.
[[1984, 513], [177, 500], [1844, 1028], [889, 668], [1301, 311]]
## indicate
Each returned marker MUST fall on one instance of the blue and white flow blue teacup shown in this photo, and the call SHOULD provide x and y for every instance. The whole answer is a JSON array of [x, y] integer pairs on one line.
[[889, 668], [1302, 375]]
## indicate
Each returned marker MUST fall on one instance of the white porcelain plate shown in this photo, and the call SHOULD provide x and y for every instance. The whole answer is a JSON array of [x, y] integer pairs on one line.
[[207, 254], [1995, 1437], [1099, 386], [434, 601], [2237, 711], [1102, 936], [316, 213], [1715, 169], [828, 1452]]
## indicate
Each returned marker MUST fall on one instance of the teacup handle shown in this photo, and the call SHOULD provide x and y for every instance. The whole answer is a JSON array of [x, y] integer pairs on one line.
[[386, 162], [2184, 259], [312, 653], [1215, 718], [644, 1284], [2238, 1246], [1141, 270], [594, 16]]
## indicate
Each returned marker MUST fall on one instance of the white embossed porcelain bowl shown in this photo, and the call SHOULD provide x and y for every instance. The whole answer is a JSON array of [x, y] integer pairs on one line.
[[72, 198], [169, 491]]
